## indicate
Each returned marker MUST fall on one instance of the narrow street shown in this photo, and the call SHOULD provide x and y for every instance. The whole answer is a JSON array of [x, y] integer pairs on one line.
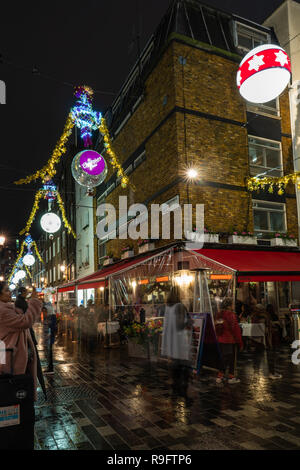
[[106, 401]]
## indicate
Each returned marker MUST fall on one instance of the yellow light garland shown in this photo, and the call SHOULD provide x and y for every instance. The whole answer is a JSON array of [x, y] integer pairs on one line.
[[48, 170], [113, 158], [28, 272], [37, 252], [17, 260], [38, 196], [281, 182], [63, 213]]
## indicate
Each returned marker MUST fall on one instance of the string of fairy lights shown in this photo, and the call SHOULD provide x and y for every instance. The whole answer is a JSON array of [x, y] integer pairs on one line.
[[88, 168]]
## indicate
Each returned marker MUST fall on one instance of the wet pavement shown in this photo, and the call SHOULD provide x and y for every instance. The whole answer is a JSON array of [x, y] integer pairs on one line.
[[106, 400]]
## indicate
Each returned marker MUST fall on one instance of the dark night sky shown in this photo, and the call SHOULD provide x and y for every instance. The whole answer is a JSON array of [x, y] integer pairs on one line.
[[74, 42]]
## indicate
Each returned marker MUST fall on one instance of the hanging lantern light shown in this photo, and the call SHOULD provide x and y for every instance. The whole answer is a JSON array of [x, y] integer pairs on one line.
[[50, 222], [264, 73], [29, 260]]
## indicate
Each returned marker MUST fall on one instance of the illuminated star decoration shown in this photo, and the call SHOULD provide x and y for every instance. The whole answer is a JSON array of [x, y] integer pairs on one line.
[[85, 118], [282, 58], [256, 62]]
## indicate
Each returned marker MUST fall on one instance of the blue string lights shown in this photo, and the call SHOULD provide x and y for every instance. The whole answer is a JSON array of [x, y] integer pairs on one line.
[[85, 118]]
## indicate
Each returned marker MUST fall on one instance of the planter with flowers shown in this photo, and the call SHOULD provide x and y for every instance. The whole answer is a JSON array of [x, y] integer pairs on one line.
[[127, 252], [242, 238], [143, 339], [208, 236], [109, 259], [283, 239], [145, 245]]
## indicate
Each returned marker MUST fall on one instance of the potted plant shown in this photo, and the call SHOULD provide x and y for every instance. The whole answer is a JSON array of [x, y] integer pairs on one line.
[[244, 238], [208, 236], [283, 239], [145, 245], [143, 339], [127, 252], [108, 259]]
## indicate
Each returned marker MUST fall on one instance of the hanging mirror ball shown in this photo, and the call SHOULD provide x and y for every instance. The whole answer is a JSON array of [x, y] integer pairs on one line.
[[89, 168]]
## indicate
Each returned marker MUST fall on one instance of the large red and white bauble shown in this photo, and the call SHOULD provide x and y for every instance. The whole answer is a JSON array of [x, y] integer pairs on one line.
[[264, 73]]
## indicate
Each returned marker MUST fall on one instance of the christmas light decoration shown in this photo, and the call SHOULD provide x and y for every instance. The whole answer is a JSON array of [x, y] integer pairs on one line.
[[49, 189], [113, 158], [29, 260], [281, 182], [83, 115], [63, 214], [49, 169], [264, 73], [89, 168], [50, 222]]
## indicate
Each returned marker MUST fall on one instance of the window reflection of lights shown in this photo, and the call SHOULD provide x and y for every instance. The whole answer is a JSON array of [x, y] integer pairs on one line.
[[184, 279]]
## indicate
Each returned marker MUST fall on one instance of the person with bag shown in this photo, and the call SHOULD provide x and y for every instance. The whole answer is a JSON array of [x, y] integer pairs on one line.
[[229, 335], [176, 342], [15, 333]]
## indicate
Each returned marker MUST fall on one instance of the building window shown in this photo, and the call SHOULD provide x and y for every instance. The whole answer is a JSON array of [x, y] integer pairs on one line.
[[46, 256], [80, 258], [268, 217], [87, 254], [58, 245], [101, 251], [64, 238], [265, 157], [247, 38], [271, 108], [53, 248], [50, 257], [54, 274]]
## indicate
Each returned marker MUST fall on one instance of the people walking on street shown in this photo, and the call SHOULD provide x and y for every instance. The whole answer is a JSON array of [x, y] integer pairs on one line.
[[271, 340], [14, 332], [229, 337], [176, 341], [50, 330]]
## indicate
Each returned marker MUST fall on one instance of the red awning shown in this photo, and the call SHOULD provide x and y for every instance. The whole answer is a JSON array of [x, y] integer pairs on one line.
[[255, 266], [92, 285], [66, 289], [100, 276]]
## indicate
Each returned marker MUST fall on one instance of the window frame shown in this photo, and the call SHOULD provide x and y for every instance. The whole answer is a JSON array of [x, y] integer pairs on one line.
[[265, 168], [266, 232], [250, 28]]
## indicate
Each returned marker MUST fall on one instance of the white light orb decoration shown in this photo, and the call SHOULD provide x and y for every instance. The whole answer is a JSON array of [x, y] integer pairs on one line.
[[12, 286], [89, 168], [29, 260], [50, 222], [20, 275], [264, 73]]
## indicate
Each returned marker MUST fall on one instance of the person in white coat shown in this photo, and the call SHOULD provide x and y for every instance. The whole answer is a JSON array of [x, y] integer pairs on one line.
[[176, 341]]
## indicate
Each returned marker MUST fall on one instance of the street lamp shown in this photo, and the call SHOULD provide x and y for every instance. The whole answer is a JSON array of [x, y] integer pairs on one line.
[[1, 278], [192, 173], [2, 240], [62, 268]]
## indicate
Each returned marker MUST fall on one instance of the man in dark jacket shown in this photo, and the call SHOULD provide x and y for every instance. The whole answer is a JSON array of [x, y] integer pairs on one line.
[[23, 305]]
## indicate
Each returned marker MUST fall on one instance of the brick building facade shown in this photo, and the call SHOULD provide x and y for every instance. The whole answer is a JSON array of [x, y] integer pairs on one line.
[[184, 110]]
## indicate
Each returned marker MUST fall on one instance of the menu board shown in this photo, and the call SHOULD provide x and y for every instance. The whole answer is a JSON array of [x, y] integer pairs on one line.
[[197, 332]]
